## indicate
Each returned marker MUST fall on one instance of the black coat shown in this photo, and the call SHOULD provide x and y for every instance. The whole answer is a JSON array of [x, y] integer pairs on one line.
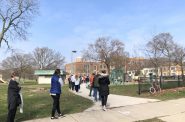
[[13, 94], [104, 85]]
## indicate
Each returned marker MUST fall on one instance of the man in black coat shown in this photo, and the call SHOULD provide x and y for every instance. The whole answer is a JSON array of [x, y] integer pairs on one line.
[[14, 99], [104, 88]]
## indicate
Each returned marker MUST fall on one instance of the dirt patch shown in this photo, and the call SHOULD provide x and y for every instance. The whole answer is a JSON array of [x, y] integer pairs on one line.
[[39, 90], [174, 89]]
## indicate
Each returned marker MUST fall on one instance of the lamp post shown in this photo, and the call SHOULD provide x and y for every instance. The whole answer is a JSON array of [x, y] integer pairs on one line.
[[72, 63]]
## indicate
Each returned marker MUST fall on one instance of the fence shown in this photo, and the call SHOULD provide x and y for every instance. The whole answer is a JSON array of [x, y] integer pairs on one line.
[[167, 82]]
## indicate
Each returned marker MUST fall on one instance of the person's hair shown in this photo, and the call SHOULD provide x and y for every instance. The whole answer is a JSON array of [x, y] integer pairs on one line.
[[13, 75], [103, 71], [57, 72], [76, 76]]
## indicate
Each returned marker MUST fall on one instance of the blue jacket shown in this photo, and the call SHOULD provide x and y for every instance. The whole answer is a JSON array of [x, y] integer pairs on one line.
[[55, 85]]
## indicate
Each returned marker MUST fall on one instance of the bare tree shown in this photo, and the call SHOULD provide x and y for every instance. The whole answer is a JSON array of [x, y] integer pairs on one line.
[[15, 17], [166, 46], [136, 64], [18, 63], [179, 56], [45, 58], [105, 50], [153, 51], [160, 47]]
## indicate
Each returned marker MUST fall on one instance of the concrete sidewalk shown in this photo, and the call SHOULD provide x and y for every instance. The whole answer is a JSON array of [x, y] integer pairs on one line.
[[126, 109], [113, 101]]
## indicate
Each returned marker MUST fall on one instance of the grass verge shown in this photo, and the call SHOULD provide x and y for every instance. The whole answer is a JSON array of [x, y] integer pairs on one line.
[[38, 103], [132, 90]]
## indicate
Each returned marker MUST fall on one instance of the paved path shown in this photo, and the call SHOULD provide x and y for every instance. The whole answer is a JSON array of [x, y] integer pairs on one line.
[[114, 101], [126, 109]]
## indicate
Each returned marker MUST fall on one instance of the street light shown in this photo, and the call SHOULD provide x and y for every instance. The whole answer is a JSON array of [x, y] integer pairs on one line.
[[72, 64]]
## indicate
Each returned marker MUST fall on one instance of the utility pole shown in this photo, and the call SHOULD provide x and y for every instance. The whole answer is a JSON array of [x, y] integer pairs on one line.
[[72, 63]]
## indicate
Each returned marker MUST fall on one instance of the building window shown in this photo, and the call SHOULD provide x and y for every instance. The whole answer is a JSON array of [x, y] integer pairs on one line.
[[173, 74], [173, 69], [95, 67]]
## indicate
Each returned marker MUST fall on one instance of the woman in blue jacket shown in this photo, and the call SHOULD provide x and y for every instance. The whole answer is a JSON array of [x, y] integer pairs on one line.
[[55, 92]]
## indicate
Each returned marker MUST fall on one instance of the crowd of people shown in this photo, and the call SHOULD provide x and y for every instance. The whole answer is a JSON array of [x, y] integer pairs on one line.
[[98, 84]]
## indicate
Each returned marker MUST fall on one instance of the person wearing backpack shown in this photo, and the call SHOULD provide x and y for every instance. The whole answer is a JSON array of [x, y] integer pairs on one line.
[[91, 83], [96, 86]]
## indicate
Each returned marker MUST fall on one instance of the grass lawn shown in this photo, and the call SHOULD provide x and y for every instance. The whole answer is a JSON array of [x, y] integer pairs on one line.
[[132, 90], [38, 103]]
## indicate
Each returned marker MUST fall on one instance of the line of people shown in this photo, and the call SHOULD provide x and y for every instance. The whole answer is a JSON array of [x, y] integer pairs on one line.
[[74, 82], [99, 83]]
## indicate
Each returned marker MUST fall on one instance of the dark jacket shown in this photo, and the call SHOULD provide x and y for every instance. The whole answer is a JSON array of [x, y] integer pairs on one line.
[[104, 82], [55, 85], [14, 99], [96, 81]]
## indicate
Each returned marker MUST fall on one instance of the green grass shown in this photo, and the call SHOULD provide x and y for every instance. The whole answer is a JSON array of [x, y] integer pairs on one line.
[[151, 120], [38, 103], [132, 90]]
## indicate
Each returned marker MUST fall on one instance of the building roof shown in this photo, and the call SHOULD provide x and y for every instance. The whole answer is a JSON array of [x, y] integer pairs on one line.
[[47, 72]]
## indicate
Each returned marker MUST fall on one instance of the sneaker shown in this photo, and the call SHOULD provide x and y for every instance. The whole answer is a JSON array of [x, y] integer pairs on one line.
[[53, 117], [104, 108], [61, 115]]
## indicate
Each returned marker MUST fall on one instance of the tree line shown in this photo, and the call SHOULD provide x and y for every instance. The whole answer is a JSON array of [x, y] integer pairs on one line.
[[161, 50], [25, 64]]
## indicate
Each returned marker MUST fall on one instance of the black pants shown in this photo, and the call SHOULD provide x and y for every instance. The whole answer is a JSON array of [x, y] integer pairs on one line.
[[73, 85], [90, 90], [56, 104], [76, 88], [70, 84], [104, 100], [11, 114]]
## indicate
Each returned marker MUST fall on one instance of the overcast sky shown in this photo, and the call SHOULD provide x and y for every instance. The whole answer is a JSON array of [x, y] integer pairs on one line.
[[66, 25]]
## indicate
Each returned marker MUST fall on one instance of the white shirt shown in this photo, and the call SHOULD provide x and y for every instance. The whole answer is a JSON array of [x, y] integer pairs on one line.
[[77, 81], [73, 78], [61, 81]]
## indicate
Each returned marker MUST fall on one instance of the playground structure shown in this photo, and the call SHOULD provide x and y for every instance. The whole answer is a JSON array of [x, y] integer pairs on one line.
[[117, 76]]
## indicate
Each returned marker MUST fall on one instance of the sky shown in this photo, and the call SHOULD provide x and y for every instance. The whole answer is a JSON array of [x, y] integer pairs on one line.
[[67, 25]]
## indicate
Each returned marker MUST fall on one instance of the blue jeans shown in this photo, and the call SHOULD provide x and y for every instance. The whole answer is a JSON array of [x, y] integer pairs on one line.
[[95, 93]]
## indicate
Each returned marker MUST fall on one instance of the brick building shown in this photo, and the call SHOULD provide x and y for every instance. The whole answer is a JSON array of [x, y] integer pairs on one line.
[[81, 67]]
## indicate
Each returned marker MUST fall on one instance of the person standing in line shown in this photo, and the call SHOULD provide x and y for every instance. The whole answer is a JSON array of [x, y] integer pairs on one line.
[[73, 82], [96, 86], [87, 79], [69, 81], [104, 88], [55, 92], [77, 82], [80, 79], [14, 99], [91, 83]]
